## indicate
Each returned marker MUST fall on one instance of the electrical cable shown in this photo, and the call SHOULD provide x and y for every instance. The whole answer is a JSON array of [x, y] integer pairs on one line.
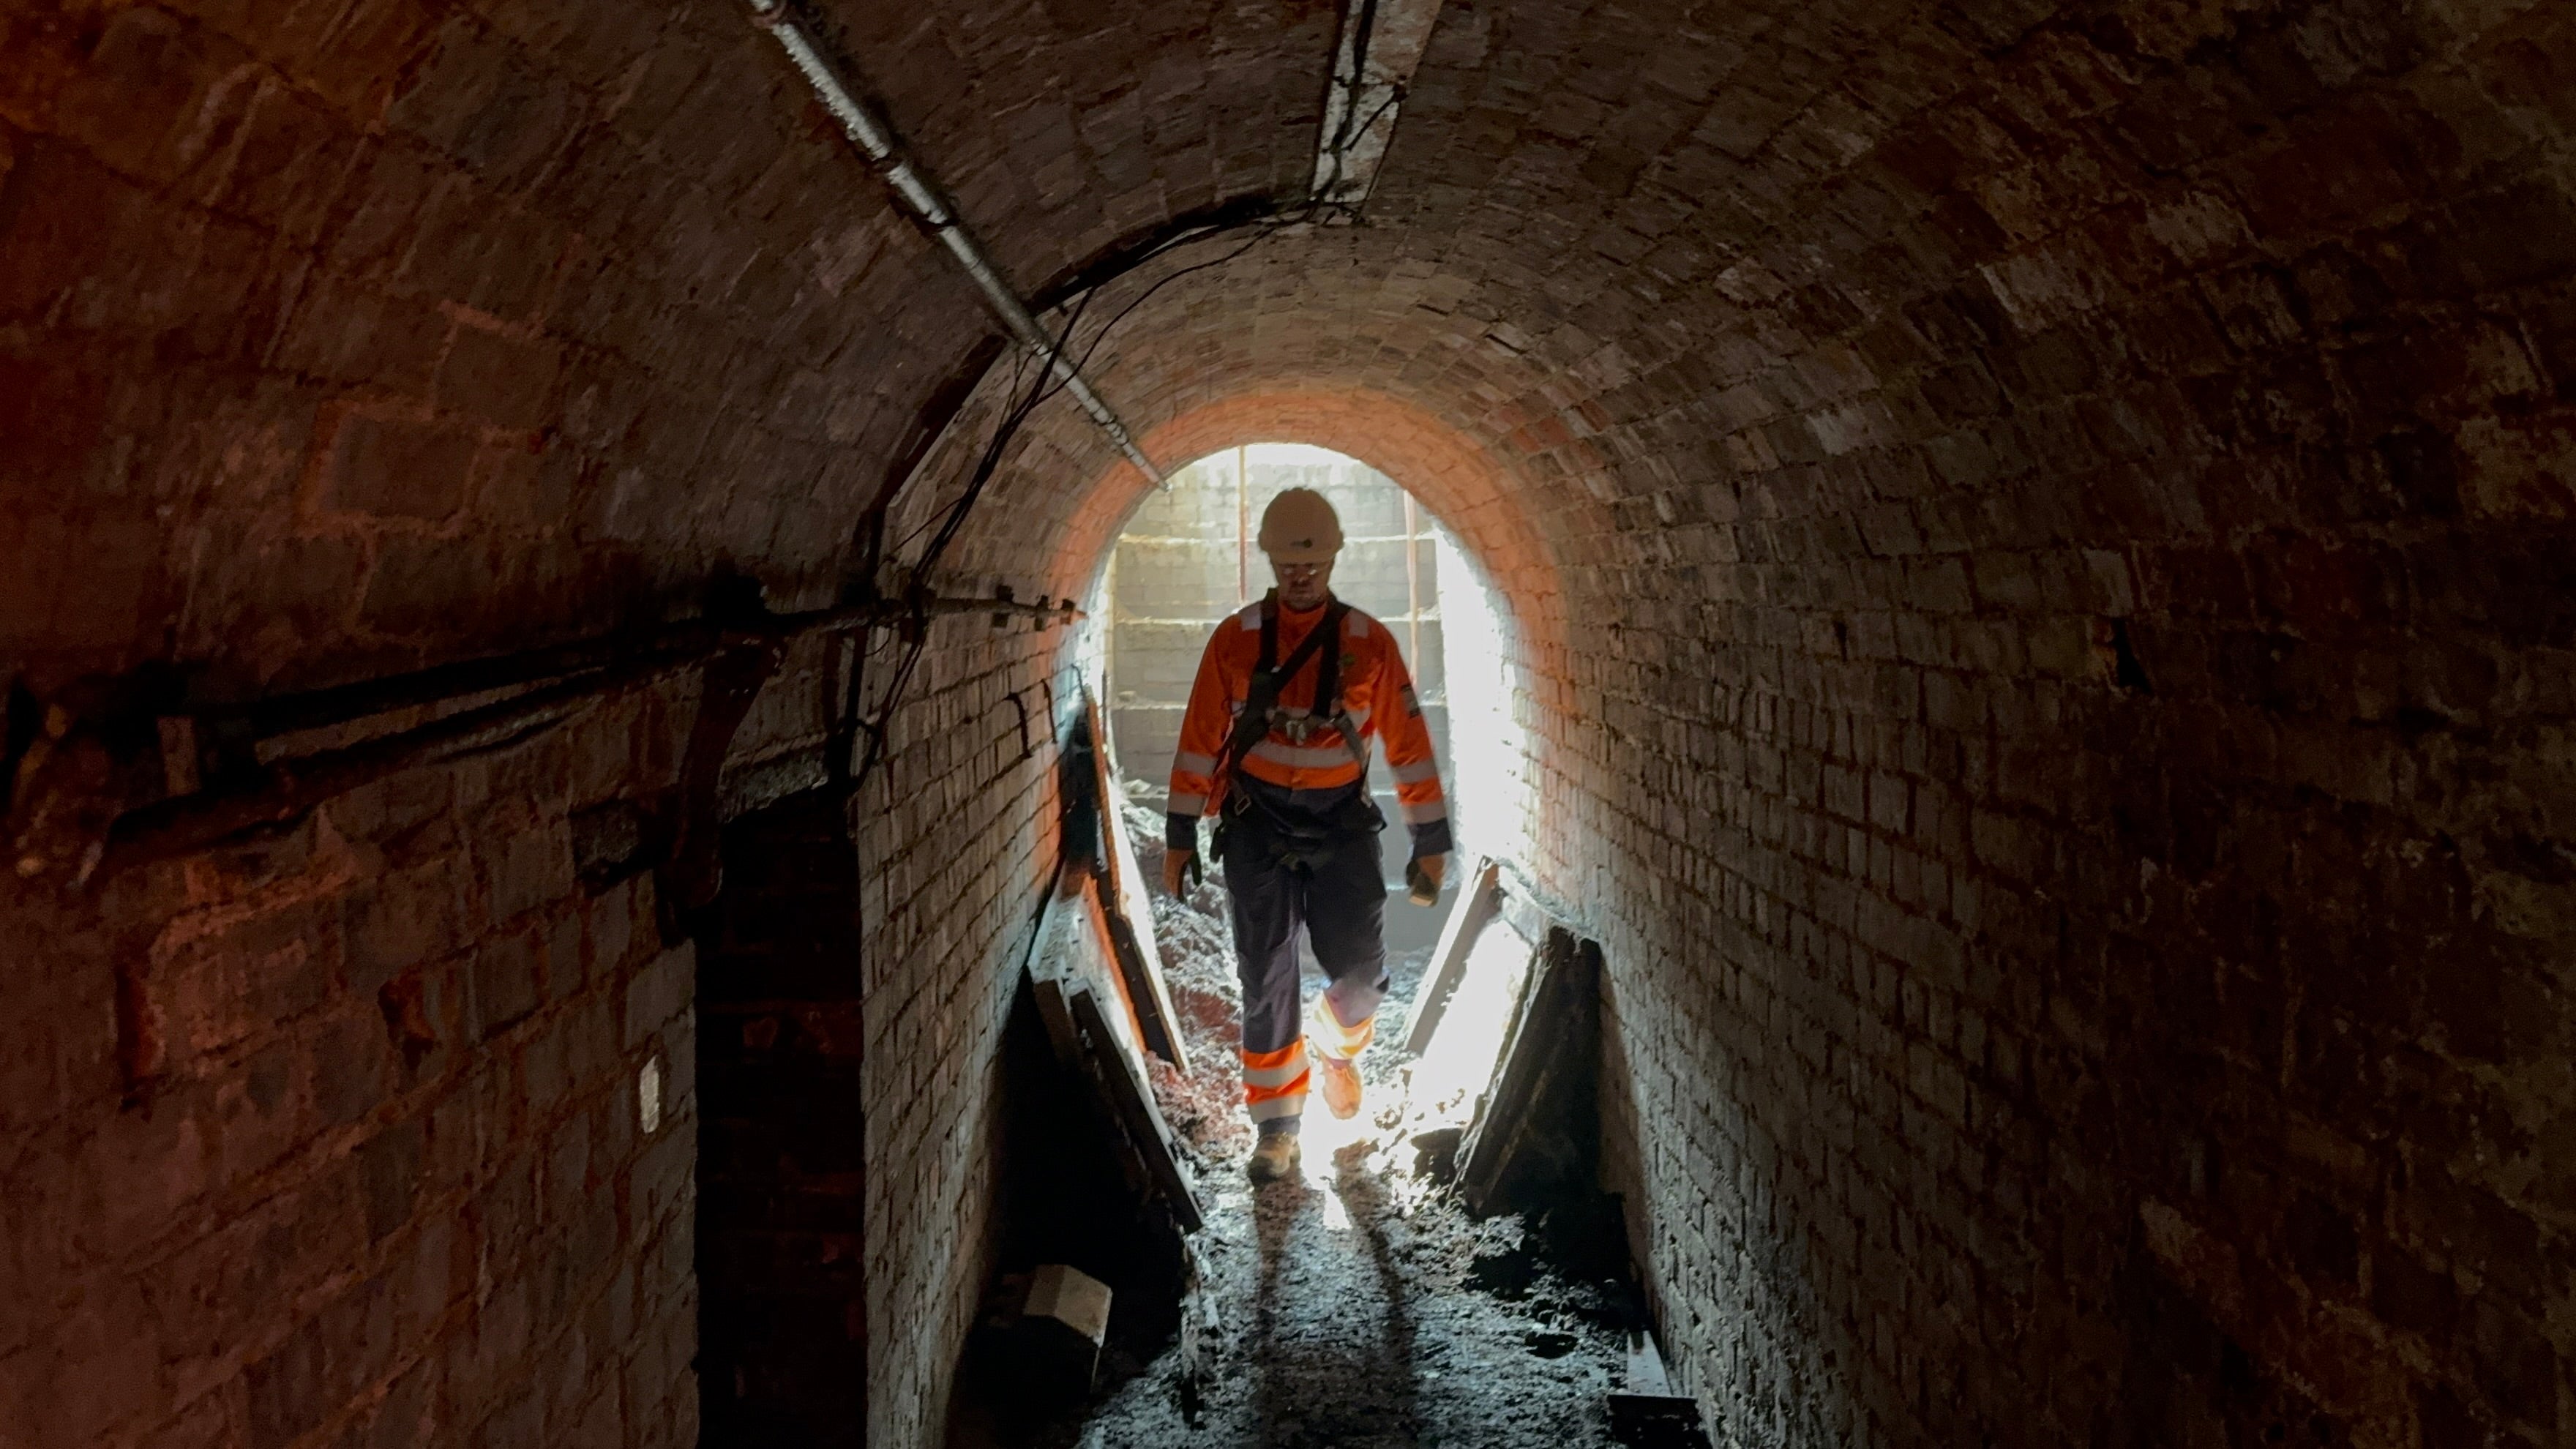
[[1046, 384]]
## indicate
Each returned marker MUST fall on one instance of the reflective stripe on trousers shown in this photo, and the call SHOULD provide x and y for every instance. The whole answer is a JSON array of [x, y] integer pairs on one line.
[[1339, 900], [1274, 1082]]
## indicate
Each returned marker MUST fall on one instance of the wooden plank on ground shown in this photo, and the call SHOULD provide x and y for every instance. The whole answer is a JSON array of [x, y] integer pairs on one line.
[[1647, 1414], [1075, 955], [1132, 1103], [1077, 990], [1538, 1126], [1106, 965], [1646, 1365], [1045, 968], [1468, 916], [1057, 1015], [1129, 907], [1456, 1070], [1135, 916]]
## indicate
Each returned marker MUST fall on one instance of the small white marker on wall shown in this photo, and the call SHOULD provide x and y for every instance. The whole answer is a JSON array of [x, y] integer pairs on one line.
[[648, 1096]]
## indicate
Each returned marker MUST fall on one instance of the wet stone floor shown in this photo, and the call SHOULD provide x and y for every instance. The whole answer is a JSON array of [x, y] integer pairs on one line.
[[1360, 1305], [1341, 1319]]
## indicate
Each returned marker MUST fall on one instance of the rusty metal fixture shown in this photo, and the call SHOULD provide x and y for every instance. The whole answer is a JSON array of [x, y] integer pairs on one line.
[[70, 812]]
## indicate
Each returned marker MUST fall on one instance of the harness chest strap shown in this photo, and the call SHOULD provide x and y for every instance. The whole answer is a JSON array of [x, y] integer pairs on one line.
[[1261, 709], [1328, 674]]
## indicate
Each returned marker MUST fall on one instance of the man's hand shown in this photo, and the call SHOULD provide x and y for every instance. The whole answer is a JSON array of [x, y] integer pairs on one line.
[[1422, 878], [1176, 866]]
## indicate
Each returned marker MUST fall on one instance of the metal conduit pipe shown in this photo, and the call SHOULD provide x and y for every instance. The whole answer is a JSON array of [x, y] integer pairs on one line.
[[876, 141], [568, 683]]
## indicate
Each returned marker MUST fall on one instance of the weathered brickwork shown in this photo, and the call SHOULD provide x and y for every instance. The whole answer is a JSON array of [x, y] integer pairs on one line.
[[2038, 547], [956, 847], [339, 1139], [334, 341], [2061, 533], [782, 1355]]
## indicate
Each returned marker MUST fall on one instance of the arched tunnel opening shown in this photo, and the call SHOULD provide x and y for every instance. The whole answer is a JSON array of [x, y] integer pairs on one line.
[[550, 569], [1189, 557]]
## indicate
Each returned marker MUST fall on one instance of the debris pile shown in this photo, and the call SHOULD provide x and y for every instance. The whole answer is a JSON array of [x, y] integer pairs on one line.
[[1363, 1305], [1204, 1104]]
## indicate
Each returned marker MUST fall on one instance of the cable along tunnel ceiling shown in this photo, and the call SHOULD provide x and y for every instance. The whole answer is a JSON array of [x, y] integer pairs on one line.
[[1680, 275], [609, 302], [2007, 507]]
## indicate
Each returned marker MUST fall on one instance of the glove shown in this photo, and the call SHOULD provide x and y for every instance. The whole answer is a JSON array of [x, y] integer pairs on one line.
[[1181, 872], [1422, 878]]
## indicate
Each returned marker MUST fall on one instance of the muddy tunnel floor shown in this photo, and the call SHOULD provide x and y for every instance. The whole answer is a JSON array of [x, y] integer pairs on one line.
[[1360, 1305]]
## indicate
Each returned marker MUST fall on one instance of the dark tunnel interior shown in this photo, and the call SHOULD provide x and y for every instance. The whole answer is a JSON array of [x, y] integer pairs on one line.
[[544, 587]]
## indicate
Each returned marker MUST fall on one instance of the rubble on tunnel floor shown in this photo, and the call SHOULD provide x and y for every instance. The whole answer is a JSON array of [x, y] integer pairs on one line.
[[1360, 1305]]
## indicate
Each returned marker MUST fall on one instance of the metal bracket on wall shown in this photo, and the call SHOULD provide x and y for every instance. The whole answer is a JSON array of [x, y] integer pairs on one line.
[[104, 783], [693, 871], [1028, 750]]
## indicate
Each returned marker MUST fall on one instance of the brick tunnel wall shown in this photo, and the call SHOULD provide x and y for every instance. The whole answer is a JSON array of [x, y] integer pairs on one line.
[[957, 845], [855, 980], [1868, 399], [2062, 705], [337, 344], [338, 1139]]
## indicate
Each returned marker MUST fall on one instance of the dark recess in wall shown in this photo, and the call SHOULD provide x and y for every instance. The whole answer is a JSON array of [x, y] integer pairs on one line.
[[1064, 1200], [782, 1354]]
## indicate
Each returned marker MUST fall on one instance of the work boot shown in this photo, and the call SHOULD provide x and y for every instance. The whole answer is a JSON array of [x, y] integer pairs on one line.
[[1341, 1083], [1274, 1157]]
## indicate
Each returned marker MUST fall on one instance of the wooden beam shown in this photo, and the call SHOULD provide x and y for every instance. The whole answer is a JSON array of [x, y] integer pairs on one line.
[[1469, 914], [1131, 1102], [1539, 1126], [1071, 975], [1648, 1414], [1113, 981], [1129, 907]]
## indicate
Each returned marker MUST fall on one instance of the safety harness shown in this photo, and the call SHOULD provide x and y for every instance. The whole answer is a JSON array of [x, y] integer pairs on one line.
[[1262, 714]]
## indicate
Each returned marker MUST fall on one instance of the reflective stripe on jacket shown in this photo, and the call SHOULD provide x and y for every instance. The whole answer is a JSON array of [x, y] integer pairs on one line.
[[1376, 693]]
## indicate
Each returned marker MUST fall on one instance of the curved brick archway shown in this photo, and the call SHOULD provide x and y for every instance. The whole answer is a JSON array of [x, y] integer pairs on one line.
[[1469, 491], [1460, 483], [2042, 533]]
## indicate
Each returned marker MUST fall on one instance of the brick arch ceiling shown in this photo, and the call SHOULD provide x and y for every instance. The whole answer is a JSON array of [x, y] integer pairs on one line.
[[1459, 483], [1829, 300], [331, 352]]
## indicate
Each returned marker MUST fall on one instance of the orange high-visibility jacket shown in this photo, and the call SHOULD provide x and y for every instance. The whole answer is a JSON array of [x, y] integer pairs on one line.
[[1303, 752]]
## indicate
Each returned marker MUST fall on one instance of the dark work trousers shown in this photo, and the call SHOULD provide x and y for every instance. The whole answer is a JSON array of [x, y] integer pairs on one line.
[[1292, 861]]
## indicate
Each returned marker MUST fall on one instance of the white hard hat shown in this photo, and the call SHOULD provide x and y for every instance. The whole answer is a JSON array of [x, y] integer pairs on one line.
[[1299, 527]]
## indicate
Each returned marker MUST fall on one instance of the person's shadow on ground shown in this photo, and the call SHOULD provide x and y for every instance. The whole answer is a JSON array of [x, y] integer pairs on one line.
[[1331, 1341]]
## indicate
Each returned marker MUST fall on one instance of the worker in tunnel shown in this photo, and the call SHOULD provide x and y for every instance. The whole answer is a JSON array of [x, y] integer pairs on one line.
[[1275, 744]]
